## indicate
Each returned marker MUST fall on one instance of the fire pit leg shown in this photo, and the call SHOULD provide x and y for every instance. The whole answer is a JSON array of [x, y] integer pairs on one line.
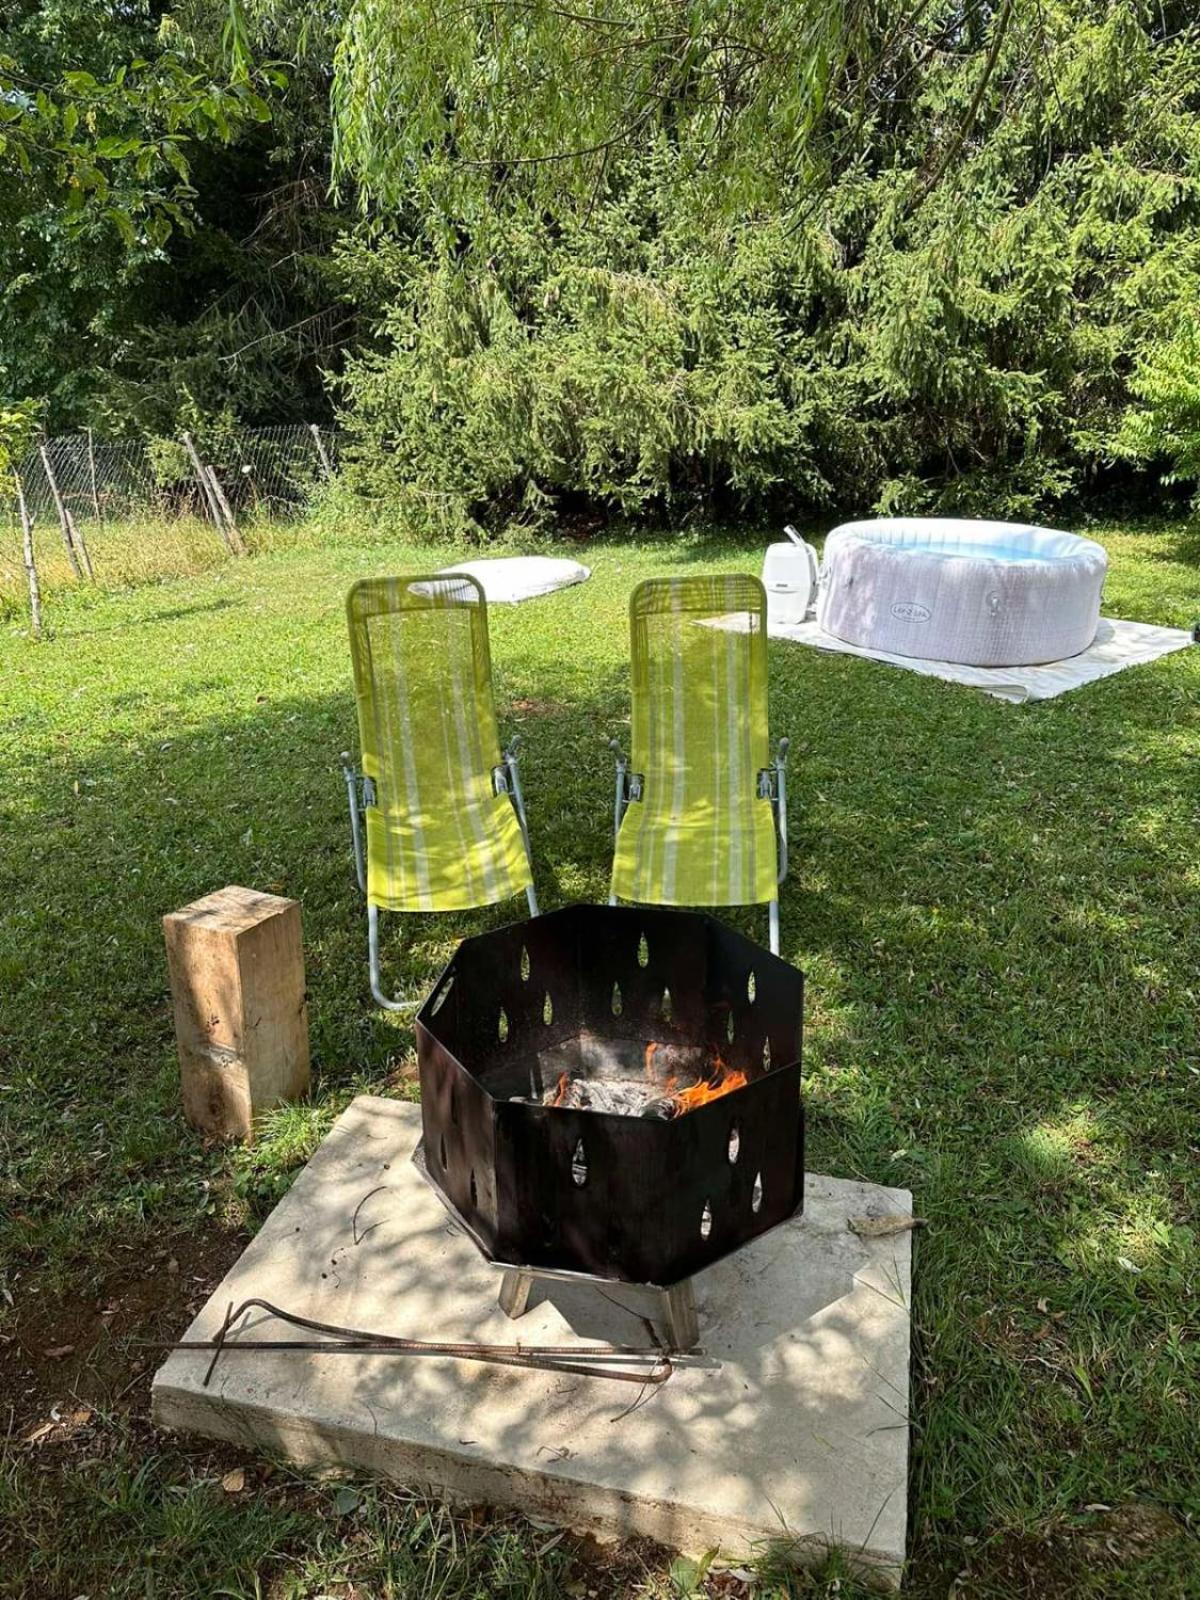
[[514, 1293], [677, 1306], [679, 1315]]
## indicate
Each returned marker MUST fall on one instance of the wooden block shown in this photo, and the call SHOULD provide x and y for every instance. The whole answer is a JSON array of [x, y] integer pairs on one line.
[[237, 982]]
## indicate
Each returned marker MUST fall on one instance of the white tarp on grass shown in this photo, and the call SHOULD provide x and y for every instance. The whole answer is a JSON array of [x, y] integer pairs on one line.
[[1117, 645], [511, 579]]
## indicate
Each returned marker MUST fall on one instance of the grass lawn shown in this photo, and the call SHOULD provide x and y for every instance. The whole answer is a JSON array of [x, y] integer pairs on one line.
[[996, 910]]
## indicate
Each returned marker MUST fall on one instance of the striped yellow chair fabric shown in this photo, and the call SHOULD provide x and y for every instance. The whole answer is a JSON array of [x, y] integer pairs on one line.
[[698, 805], [444, 817]]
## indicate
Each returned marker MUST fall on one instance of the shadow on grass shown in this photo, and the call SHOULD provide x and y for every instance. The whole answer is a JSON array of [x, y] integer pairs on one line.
[[147, 619]]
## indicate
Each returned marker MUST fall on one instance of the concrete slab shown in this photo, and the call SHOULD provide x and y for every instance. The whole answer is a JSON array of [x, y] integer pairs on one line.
[[795, 1434]]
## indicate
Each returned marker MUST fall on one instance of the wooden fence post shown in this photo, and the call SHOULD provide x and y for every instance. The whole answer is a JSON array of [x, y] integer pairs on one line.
[[321, 450], [80, 543], [60, 507], [236, 543], [35, 593], [206, 489], [92, 470]]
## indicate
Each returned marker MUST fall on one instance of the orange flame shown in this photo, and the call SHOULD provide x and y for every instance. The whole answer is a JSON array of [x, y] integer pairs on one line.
[[699, 1094], [724, 1080]]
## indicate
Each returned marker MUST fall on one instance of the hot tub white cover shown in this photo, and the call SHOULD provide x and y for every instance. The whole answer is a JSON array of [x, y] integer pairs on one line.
[[986, 594]]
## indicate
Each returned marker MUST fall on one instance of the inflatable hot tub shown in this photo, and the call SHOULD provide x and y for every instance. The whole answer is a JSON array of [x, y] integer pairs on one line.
[[986, 594]]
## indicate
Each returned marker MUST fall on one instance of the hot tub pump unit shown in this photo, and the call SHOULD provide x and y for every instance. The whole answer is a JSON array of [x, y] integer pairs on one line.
[[790, 576]]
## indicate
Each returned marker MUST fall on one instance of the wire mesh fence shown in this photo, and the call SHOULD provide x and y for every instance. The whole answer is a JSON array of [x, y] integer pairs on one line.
[[129, 511], [272, 471]]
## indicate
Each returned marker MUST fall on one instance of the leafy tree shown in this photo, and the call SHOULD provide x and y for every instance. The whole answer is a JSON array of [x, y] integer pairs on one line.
[[931, 289], [469, 106], [146, 204]]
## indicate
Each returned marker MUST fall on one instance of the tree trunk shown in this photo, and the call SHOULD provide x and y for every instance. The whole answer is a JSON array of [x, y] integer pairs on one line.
[[35, 593]]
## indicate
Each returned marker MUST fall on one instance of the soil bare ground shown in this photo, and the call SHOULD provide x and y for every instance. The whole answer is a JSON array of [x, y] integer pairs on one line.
[[65, 1359]]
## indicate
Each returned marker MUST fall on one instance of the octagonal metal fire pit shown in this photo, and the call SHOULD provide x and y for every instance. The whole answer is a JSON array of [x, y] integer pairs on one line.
[[614, 1091]]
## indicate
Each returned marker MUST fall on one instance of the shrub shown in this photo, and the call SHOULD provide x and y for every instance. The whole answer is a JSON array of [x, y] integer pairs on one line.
[[1166, 423]]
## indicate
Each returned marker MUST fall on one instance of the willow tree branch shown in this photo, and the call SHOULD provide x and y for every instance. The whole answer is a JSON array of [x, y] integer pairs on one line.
[[999, 29]]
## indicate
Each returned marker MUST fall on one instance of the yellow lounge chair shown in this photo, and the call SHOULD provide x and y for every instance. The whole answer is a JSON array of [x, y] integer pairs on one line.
[[444, 813], [701, 809]]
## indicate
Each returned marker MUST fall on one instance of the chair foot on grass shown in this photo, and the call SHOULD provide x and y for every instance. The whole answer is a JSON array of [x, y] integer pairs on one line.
[[373, 957]]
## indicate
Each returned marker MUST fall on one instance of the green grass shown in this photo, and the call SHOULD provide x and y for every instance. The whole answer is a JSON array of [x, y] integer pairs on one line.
[[996, 910]]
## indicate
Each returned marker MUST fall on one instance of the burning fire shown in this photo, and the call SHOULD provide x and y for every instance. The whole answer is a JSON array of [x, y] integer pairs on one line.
[[723, 1081], [670, 1098]]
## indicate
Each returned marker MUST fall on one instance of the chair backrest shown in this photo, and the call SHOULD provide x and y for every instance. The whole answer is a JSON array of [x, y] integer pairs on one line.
[[423, 683], [699, 677]]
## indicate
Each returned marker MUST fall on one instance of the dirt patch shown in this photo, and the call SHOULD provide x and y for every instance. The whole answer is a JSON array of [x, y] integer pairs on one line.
[[62, 1357], [1069, 1558], [533, 706]]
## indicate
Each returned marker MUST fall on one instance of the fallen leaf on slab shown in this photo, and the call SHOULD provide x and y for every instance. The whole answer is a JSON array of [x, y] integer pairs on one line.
[[234, 1482], [881, 1227]]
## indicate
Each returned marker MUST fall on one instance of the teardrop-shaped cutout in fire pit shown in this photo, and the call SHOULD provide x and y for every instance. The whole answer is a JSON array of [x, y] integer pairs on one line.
[[442, 1152], [524, 965], [440, 999], [643, 952], [757, 1197], [547, 1009], [618, 1005], [474, 1190], [706, 1221], [730, 1030], [502, 1026], [751, 986], [735, 1144], [666, 1006], [767, 1054], [579, 1165]]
